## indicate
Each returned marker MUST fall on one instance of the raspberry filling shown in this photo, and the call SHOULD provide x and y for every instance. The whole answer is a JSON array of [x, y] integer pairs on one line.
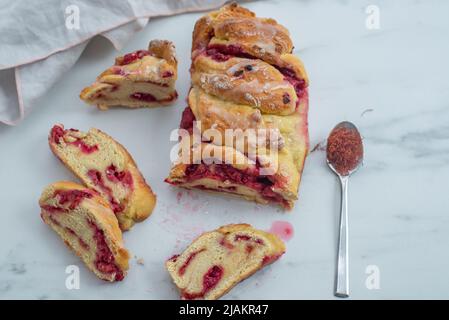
[[116, 176], [222, 172], [251, 241], [131, 57], [187, 119], [270, 259], [58, 132], [72, 197], [52, 209], [223, 242], [148, 97], [104, 260], [84, 147], [167, 74], [242, 237], [298, 84], [220, 52], [174, 258], [141, 96], [83, 244], [210, 280], [97, 179], [189, 259]]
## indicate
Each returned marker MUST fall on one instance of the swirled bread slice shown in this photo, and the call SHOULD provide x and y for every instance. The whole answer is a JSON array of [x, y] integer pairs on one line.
[[216, 261], [144, 78], [87, 225], [104, 165]]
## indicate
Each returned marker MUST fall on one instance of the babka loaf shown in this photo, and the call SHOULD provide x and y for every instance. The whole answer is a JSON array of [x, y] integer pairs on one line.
[[87, 225], [245, 80], [216, 261], [144, 78], [105, 166]]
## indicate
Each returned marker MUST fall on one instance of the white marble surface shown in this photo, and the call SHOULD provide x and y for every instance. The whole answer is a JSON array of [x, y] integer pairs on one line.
[[391, 82]]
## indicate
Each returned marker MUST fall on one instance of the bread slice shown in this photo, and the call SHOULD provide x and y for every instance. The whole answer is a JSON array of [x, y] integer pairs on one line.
[[86, 223], [216, 261], [144, 78], [105, 166]]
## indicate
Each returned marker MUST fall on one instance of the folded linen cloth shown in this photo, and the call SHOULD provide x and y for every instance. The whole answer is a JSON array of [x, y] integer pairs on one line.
[[47, 37]]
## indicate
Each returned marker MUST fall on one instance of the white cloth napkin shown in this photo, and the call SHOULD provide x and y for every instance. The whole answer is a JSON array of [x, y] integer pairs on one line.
[[37, 47]]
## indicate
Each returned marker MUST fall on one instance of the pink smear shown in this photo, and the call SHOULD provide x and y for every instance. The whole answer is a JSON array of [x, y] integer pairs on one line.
[[282, 229], [179, 196]]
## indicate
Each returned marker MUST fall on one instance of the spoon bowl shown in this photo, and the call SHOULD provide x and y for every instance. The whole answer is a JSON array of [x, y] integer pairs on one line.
[[331, 162]]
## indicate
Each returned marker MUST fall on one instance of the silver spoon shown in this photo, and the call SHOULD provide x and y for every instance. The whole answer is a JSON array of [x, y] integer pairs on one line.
[[334, 162]]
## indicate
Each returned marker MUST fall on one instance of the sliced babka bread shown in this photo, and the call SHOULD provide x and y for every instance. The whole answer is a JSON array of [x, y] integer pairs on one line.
[[85, 222], [144, 78], [105, 166], [216, 261]]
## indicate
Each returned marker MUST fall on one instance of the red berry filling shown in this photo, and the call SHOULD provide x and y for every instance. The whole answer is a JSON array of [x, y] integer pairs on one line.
[[174, 258], [124, 177], [105, 261], [71, 197], [223, 172], [97, 179], [210, 280], [298, 84], [249, 247], [220, 52], [57, 132], [189, 259], [270, 259], [84, 147], [167, 74], [242, 237], [131, 57], [52, 209], [141, 96], [226, 244], [187, 119]]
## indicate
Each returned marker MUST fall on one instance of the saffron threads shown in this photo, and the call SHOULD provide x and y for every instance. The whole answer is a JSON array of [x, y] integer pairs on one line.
[[344, 149]]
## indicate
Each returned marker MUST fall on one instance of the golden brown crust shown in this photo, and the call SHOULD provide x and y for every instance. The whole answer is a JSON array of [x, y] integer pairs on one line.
[[245, 81], [236, 27], [100, 213], [238, 249], [142, 200]]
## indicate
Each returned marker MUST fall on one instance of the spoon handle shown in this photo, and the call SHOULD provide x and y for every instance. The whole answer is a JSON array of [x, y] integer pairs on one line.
[[342, 276]]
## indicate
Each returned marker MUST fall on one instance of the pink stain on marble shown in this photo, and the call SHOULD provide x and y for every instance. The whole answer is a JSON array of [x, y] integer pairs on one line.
[[179, 197], [192, 195], [282, 229]]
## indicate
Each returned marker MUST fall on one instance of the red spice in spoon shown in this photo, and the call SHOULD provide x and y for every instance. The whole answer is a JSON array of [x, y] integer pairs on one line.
[[344, 149]]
